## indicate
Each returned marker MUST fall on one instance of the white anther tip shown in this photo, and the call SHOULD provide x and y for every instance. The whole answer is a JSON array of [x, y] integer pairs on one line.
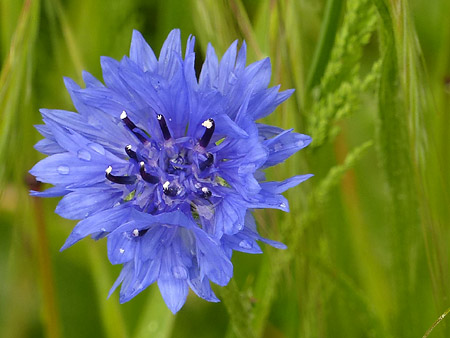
[[166, 185], [205, 189], [135, 232], [159, 117], [108, 170], [128, 147], [123, 115], [142, 164], [208, 123]]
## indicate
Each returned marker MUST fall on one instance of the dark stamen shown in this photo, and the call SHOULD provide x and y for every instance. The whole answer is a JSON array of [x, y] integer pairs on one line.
[[168, 190], [130, 153], [206, 193], [146, 176], [208, 162], [119, 179], [163, 126], [209, 131], [124, 117], [137, 232]]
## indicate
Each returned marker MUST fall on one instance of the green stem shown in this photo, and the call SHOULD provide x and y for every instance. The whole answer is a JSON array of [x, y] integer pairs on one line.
[[51, 314], [328, 31], [110, 310], [156, 320], [441, 317]]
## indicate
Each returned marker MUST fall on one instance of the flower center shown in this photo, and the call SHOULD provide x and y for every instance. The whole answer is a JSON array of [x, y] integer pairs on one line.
[[169, 173]]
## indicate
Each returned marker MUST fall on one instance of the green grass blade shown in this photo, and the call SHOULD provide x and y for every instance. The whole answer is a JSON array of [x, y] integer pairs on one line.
[[110, 311], [155, 320], [330, 23], [15, 91]]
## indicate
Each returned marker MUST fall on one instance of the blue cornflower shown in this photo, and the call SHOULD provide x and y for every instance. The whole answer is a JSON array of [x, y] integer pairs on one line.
[[168, 167]]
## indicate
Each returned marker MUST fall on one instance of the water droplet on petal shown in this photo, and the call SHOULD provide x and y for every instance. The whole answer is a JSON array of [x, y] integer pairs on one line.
[[121, 250], [277, 146], [97, 148], [179, 272], [232, 78], [245, 244], [84, 155], [283, 205], [63, 169]]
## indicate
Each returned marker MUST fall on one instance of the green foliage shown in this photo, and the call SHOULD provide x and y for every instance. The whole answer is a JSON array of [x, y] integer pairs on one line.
[[367, 236], [341, 85]]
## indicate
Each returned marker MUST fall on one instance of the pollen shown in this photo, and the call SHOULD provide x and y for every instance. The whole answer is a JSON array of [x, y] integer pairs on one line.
[[208, 123], [166, 185]]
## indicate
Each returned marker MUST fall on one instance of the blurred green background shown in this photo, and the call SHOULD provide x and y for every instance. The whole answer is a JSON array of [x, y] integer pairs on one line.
[[368, 236]]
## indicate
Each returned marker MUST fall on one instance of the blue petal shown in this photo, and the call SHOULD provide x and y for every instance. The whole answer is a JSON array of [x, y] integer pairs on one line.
[[280, 187], [258, 74], [190, 44], [150, 94], [201, 286], [209, 72], [142, 53], [85, 202], [125, 277], [170, 51], [176, 218], [241, 242], [44, 130], [229, 215], [265, 102], [104, 221], [226, 66], [90, 80], [72, 87], [241, 58], [281, 143], [121, 247], [173, 290], [106, 101], [225, 125], [147, 275], [110, 68], [153, 241], [99, 128], [84, 149], [50, 192], [189, 66], [67, 169], [212, 261], [265, 199], [250, 230], [48, 147]]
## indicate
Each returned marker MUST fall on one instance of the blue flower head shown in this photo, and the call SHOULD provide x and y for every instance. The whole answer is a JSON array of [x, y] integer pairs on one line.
[[168, 166]]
